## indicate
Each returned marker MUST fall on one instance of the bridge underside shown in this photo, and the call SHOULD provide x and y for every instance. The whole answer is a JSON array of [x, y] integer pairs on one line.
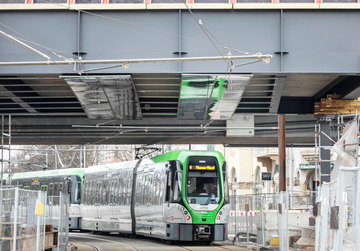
[[315, 54]]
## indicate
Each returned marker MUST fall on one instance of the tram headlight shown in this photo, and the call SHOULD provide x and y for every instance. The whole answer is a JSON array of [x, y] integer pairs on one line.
[[218, 218], [188, 217], [186, 212]]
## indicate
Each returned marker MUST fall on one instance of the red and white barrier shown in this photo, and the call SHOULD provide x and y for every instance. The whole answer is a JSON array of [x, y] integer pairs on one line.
[[244, 213]]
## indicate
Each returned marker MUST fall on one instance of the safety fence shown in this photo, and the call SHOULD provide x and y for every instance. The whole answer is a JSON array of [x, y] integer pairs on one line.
[[254, 217], [30, 221], [296, 226], [22, 220], [57, 215], [338, 213]]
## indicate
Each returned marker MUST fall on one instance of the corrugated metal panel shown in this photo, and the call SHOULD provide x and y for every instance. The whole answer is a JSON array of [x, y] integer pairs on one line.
[[107, 97], [211, 96]]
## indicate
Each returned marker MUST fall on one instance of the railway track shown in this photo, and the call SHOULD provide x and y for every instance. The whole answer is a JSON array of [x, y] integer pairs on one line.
[[90, 242], [99, 240]]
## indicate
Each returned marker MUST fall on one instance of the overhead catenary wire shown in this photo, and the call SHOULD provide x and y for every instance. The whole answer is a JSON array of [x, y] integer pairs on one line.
[[23, 45], [205, 32], [66, 6], [28, 40], [11, 39]]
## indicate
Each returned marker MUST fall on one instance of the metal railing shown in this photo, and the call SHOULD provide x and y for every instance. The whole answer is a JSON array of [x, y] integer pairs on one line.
[[254, 217], [22, 220], [338, 214], [57, 215]]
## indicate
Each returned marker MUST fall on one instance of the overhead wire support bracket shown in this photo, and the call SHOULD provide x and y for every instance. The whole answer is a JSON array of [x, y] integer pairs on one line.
[[25, 46], [133, 61]]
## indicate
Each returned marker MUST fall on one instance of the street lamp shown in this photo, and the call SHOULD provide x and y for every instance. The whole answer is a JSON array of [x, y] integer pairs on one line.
[[28, 157]]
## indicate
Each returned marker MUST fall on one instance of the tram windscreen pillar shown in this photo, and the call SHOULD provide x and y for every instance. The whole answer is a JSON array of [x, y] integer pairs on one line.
[[325, 153]]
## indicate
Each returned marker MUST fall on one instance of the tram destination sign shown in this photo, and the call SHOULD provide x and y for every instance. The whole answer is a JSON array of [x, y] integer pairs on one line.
[[202, 168], [266, 176]]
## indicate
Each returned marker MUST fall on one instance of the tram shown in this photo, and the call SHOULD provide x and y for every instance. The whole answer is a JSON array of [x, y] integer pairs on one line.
[[180, 196], [53, 182]]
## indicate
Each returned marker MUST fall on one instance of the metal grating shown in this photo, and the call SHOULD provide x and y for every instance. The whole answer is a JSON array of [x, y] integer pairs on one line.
[[211, 96], [106, 97]]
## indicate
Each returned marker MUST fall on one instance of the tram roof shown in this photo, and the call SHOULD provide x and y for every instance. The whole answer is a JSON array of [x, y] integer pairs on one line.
[[183, 155], [50, 173]]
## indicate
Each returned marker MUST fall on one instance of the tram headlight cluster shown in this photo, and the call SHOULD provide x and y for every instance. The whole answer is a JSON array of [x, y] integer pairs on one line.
[[185, 212], [219, 214]]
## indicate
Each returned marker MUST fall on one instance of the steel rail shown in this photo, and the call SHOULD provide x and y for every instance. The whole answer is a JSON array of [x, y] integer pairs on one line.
[[176, 128], [105, 240]]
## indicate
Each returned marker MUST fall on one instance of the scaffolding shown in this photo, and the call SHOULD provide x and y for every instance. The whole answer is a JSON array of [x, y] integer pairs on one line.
[[5, 149], [319, 160], [338, 205]]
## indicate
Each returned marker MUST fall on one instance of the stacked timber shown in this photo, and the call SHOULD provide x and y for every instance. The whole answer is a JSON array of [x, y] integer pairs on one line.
[[332, 105], [26, 237]]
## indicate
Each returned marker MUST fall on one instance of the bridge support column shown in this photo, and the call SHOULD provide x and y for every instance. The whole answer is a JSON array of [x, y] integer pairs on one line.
[[282, 148]]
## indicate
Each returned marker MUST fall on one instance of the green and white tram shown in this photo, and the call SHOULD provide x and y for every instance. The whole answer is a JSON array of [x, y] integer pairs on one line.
[[53, 182], [182, 195]]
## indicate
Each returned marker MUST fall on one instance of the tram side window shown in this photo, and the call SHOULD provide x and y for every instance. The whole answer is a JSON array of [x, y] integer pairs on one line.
[[116, 189], [51, 189], [77, 193], [177, 185], [93, 185], [151, 187], [98, 192], [112, 192], [44, 188], [144, 189], [56, 193], [155, 194], [126, 185], [104, 197], [161, 188], [225, 183], [120, 202], [69, 189], [93, 192], [88, 195], [157, 188], [123, 188], [129, 190], [168, 186], [138, 188], [61, 187], [87, 192]]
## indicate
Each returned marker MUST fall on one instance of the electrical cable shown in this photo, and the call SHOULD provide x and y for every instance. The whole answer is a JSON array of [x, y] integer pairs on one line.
[[148, 28], [28, 40], [204, 30]]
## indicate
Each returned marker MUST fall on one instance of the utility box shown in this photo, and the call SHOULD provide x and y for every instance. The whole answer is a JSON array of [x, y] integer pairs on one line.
[[240, 120]]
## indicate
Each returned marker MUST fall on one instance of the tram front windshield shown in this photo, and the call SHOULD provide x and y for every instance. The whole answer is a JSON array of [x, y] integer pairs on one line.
[[202, 184]]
